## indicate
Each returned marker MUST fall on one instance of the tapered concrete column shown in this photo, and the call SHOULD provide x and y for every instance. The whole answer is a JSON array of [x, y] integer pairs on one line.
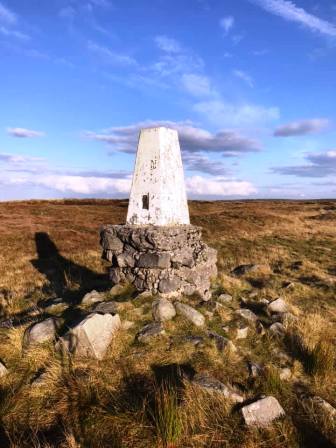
[[158, 195]]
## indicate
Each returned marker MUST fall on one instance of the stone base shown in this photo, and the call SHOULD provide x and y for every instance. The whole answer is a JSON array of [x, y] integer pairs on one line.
[[161, 259]]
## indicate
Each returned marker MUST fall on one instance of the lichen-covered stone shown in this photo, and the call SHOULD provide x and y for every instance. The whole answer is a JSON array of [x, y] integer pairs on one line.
[[262, 412], [168, 260]]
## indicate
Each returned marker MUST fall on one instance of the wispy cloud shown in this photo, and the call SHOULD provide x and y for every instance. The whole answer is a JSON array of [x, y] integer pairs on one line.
[[24, 133], [288, 10], [8, 32], [199, 162], [7, 16], [193, 139], [197, 85], [302, 127], [222, 112], [18, 159], [321, 164], [111, 57], [227, 23], [168, 44], [244, 77]]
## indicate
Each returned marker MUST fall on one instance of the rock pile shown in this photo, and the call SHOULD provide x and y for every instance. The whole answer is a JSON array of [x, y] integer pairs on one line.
[[160, 259]]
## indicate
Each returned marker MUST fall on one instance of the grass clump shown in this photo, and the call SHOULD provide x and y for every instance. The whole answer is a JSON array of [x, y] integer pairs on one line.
[[320, 360], [167, 415]]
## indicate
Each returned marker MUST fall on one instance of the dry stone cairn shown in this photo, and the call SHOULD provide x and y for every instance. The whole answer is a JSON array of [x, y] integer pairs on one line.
[[157, 250]]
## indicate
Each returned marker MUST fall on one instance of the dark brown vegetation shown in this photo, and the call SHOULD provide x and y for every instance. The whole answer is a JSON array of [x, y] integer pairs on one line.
[[140, 396]]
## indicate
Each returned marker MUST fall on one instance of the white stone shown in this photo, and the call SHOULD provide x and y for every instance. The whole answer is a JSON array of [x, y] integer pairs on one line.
[[278, 306], [262, 412], [163, 309], [3, 370], [41, 332], [190, 313], [92, 336], [158, 193]]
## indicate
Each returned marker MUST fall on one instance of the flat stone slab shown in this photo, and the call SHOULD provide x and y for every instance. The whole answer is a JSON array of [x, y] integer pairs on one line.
[[106, 307], [262, 412], [149, 331], [211, 384]]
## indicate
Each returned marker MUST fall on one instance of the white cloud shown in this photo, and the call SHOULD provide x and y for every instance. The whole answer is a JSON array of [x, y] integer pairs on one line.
[[168, 44], [7, 16], [192, 139], [227, 23], [18, 159], [197, 85], [244, 77], [24, 133], [201, 163], [224, 113], [13, 33], [289, 11], [322, 164], [218, 186], [302, 127], [111, 57]]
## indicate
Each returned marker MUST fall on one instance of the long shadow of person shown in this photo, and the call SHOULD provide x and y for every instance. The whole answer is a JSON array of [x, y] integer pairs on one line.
[[63, 273]]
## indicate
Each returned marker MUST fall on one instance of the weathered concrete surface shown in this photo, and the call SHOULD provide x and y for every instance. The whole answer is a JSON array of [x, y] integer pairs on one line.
[[160, 259], [158, 193]]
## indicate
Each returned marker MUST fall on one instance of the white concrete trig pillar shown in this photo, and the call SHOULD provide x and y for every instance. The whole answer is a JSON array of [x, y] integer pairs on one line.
[[158, 195]]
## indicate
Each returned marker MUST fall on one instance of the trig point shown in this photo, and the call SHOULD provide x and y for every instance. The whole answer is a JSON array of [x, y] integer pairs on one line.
[[158, 194], [157, 250]]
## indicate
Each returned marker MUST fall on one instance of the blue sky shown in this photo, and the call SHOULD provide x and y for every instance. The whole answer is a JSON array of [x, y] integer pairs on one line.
[[249, 84]]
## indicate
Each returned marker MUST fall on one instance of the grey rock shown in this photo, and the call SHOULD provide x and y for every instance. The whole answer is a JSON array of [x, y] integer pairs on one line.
[[213, 385], [262, 412], [278, 306], [162, 310], [92, 336], [244, 269], [195, 340], [91, 297], [3, 370], [149, 331], [44, 331], [154, 260], [106, 307], [255, 369], [194, 316], [221, 341], [168, 285], [224, 298], [247, 314], [319, 405], [277, 329]]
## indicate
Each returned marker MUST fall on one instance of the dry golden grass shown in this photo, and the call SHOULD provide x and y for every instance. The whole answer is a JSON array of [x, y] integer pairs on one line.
[[51, 249]]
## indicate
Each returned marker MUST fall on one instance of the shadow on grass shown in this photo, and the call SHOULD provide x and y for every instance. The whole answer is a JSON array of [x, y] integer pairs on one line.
[[66, 279]]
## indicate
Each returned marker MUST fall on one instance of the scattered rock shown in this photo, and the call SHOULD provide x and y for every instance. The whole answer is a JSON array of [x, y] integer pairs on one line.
[[40, 332], [149, 331], [321, 406], [247, 315], [91, 297], [106, 307], [278, 306], [262, 412], [162, 310], [92, 336], [3, 370], [244, 269], [255, 369], [116, 290], [190, 313], [213, 385], [221, 341], [242, 332], [127, 324], [277, 329], [285, 373], [225, 298], [195, 340], [55, 305]]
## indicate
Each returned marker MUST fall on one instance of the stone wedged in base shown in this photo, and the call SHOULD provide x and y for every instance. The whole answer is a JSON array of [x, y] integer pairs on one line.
[[160, 259]]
